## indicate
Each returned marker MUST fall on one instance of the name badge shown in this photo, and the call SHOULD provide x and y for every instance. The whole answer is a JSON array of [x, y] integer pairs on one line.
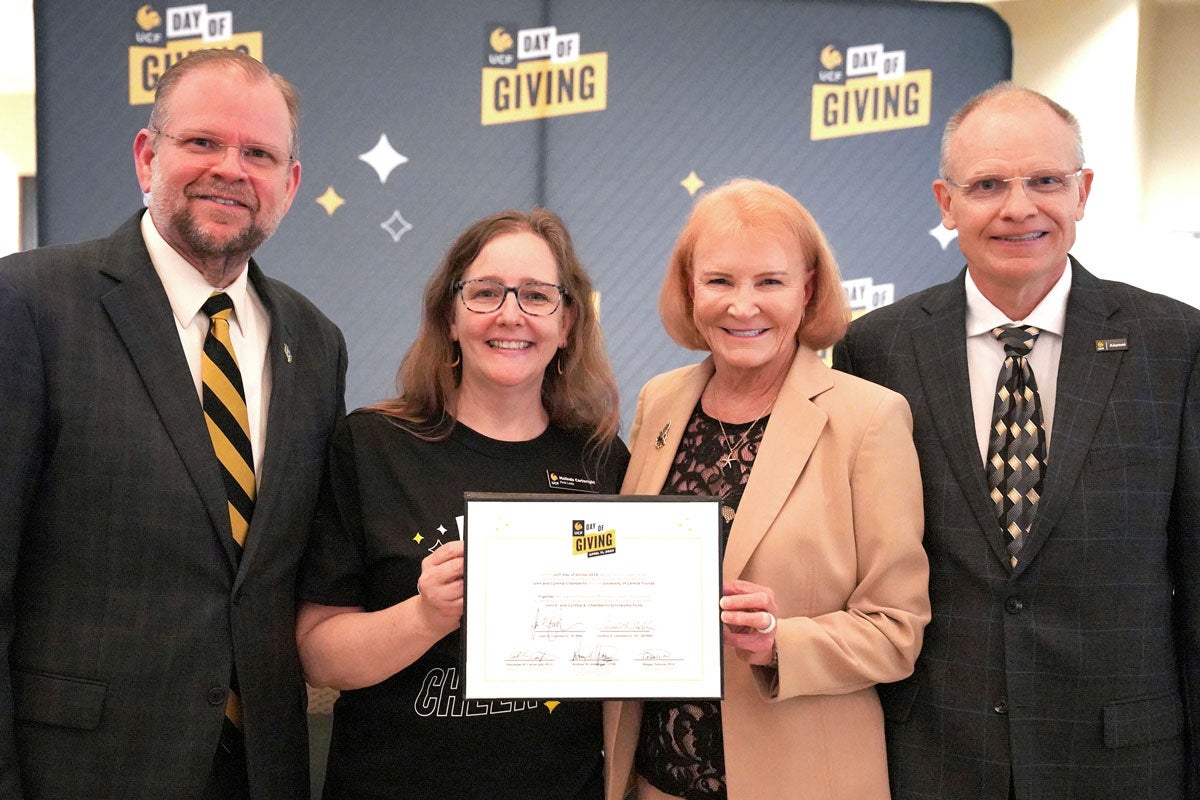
[[570, 483]]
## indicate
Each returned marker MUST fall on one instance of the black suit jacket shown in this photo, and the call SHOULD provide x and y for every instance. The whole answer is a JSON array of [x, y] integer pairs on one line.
[[122, 605], [1078, 670]]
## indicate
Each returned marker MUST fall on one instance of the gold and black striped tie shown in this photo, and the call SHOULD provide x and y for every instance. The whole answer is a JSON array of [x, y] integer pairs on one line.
[[225, 413], [224, 401]]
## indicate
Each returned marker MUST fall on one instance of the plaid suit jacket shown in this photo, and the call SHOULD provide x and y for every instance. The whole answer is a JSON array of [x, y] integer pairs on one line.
[[1076, 673], [122, 605]]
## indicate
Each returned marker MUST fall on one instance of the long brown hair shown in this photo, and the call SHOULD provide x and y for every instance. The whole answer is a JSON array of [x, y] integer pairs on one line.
[[582, 397]]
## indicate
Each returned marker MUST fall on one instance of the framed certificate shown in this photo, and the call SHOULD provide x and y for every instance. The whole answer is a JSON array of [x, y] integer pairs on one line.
[[597, 596]]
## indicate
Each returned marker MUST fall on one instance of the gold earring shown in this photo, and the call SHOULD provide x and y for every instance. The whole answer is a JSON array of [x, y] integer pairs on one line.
[[560, 362], [457, 357]]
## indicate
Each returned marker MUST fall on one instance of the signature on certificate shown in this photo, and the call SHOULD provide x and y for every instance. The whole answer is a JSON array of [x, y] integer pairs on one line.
[[544, 622], [593, 656], [530, 657], [655, 654], [627, 625]]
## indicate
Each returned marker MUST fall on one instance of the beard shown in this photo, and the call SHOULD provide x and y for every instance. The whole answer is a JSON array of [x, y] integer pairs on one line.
[[200, 243], [204, 244]]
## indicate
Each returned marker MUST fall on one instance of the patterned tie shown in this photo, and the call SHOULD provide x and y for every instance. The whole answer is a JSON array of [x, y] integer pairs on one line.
[[229, 426], [1016, 461], [225, 413]]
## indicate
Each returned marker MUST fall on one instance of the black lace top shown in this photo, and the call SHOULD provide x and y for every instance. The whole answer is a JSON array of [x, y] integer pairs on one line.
[[680, 748]]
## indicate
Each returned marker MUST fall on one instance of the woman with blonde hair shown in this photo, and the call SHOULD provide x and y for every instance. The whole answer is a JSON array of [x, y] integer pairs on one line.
[[824, 577], [498, 393]]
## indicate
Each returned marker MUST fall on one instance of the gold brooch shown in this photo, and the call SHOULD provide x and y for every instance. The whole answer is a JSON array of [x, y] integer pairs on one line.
[[660, 441]]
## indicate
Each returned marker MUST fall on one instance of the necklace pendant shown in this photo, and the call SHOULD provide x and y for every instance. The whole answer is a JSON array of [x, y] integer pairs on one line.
[[726, 461]]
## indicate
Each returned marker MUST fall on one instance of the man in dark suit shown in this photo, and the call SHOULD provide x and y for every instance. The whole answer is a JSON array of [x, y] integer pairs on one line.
[[1063, 659], [146, 635]]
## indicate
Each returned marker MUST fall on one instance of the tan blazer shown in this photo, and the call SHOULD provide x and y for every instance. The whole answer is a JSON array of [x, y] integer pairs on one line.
[[831, 520]]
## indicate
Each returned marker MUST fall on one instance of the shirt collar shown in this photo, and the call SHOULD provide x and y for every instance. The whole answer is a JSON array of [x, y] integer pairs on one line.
[[186, 288], [1050, 315]]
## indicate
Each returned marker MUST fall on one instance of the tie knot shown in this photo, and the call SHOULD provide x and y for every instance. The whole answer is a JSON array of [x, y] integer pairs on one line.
[[1018, 340], [217, 306]]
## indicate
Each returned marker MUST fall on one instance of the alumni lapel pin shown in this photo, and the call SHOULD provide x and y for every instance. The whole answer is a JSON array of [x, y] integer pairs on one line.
[[660, 441], [287, 352], [1105, 345]]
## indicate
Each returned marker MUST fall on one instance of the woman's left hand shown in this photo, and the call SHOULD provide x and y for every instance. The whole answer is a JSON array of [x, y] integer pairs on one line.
[[748, 612]]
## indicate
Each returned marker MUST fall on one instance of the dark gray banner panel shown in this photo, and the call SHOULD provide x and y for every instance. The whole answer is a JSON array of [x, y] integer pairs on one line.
[[421, 116]]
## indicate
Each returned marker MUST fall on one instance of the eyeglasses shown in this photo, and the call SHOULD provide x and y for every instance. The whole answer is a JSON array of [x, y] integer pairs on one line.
[[991, 188], [258, 158], [484, 295]]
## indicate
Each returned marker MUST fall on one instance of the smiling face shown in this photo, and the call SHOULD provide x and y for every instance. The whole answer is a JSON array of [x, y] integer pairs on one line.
[[749, 292], [1015, 244], [509, 349], [217, 211]]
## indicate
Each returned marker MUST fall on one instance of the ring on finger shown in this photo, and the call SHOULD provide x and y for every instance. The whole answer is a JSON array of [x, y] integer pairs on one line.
[[770, 626]]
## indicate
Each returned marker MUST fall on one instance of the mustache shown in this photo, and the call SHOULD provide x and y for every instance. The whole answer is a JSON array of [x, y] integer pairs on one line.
[[224, 190]]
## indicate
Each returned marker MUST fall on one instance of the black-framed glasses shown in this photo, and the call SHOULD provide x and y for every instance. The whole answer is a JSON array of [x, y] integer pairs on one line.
[[989, 188], [484, 295], [260, 158]]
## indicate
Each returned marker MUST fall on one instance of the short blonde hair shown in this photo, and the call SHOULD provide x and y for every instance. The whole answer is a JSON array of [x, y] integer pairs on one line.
[[745, 205]]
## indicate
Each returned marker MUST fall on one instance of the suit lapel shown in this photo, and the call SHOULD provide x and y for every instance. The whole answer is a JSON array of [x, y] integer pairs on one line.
[[1085, 380], [940, 350], [792, 433], [280, 419], [670, 411], [142, 316]]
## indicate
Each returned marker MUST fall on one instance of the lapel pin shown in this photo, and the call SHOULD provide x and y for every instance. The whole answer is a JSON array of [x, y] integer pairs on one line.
[[660, 441], [287, 353], [1105, 345]]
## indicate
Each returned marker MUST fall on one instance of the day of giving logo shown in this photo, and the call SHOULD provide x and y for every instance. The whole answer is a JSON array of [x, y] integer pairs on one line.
[[867, 90], [592, 539], [533, 73], [162, 38], [863, 295]]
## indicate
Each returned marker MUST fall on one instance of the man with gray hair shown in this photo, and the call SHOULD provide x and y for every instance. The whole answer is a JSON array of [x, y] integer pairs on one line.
[[1057, 422]]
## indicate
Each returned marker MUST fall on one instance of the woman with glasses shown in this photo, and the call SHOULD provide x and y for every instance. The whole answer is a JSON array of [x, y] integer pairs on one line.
[[824, 577], [506, 384]]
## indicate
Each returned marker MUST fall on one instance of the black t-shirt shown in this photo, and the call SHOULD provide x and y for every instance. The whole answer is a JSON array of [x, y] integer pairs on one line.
[[391, 499]]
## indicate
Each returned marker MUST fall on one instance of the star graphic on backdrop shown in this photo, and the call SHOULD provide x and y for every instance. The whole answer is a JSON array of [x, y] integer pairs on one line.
[[436, 545], [551, 704], [418, 537], [396, 225], [943, 235], [383, 158], [692, 183], [441, 529], [331, 201]]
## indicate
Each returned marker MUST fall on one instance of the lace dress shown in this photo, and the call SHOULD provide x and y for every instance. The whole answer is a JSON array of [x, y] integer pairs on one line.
[[680, 748]]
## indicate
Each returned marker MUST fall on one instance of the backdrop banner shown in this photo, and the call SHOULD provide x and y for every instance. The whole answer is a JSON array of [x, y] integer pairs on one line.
[[420, 116]]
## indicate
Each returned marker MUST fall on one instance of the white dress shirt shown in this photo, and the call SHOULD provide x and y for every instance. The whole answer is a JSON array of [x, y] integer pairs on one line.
[[249, 329], [985, 354]]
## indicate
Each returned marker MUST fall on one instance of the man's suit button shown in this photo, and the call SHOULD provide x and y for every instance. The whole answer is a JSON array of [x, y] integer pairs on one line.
[[1013, 605], [1001, 706], [216, 696]]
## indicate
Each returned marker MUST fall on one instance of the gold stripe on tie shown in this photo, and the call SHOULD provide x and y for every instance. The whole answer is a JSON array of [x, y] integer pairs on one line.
[[224, 400], [226, 416]]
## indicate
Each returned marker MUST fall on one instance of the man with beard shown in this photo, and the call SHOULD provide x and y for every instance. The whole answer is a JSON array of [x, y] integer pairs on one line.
[[165, 410]]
